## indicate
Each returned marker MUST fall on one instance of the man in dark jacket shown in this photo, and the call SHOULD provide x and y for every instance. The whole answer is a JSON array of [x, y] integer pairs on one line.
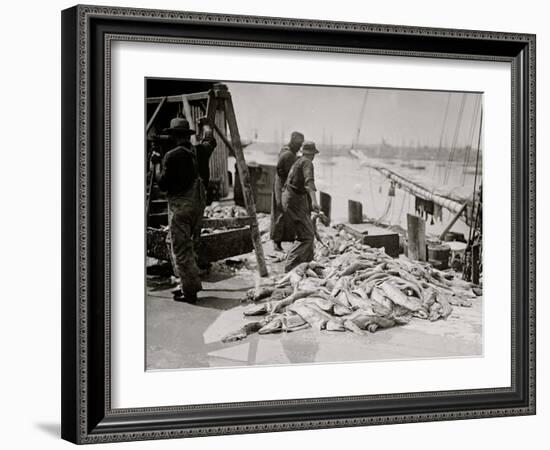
[[184, 177], [299, 200], [281, 227]]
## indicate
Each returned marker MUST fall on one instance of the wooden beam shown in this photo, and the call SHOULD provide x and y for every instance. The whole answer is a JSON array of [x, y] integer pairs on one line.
[[223, 95], [452, 222], [154, 116], [416, 235], [219, 132], [189, 117], [177, 98]]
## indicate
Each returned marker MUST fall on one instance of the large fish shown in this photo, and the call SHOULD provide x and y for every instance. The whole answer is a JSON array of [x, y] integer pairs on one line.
[[324, 304], [341, 310], [446, 309], [342, 299], [244, 331], [380, 297], [372, 322], [332, 325], [399, 298], [359, 265], [260, 293], [293, 322], [281, 304], [258, 310], [310, 315], [275, 325], [356, 301], [351, 326]]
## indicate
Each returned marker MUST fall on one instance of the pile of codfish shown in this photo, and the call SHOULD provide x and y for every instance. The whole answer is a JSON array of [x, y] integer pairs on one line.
[[217, 211], [353, 287]]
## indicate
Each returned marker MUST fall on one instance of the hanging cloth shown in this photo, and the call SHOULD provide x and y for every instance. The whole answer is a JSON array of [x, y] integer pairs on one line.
[[438, 212]]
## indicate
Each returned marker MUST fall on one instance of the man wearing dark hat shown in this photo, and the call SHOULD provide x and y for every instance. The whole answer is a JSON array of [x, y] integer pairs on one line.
[[281, 228], [184, 177], [298, 201]]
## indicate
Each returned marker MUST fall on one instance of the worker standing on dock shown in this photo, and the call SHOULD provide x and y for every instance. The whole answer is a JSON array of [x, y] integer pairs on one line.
[[281, 227], [299, 200], [184, 176]]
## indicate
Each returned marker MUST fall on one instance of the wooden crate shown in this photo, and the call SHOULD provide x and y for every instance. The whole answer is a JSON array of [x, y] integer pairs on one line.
[[375, 237], [225, 244], [214, 246]]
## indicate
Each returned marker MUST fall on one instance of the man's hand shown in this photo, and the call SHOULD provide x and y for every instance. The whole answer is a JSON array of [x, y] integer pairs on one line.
[[204, 121], [315, 206], [155, 158]]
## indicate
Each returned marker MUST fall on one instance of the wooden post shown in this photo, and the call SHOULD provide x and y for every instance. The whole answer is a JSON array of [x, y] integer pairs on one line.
[[355, 212], [223, 95], [416, 234], [452, 222], [220, 133], [325, 202], [154, 116], [189, 117], [475, 263]]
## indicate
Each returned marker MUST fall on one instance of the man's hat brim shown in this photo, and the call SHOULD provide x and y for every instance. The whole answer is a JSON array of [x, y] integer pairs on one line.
[[310, 152], [183, 131]]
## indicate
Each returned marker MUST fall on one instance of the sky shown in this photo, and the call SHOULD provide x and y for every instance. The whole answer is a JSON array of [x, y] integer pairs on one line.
[[401, 117]]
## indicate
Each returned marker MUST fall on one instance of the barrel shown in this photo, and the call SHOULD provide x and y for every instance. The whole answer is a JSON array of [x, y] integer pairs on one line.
[[438, 256]]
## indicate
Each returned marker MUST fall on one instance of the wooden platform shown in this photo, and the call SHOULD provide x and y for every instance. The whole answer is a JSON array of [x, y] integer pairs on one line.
[[376, 237]]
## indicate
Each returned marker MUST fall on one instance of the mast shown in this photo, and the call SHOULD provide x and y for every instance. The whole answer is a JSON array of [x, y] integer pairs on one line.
[[355, 143]]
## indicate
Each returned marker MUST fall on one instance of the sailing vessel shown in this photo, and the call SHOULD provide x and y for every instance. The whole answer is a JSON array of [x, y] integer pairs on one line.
[[465, 209]]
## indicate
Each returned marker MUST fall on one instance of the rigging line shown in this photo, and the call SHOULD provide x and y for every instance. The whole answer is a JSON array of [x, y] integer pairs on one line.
[[361, 113], [383, 216], [454, 141], [370, 187], [369, 175], [442, 134], [475, 177], [455, 138], [468, 146], [401, 209], [470, 139]]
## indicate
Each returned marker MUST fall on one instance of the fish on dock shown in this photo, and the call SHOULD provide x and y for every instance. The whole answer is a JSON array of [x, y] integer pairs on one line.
[[354, 288]]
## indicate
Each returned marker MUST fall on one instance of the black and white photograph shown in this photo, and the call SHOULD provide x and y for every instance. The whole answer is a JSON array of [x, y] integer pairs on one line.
[[302, 224]]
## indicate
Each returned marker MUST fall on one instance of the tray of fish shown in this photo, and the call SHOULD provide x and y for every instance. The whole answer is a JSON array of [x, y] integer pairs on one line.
[[351, 287], [217, 211]]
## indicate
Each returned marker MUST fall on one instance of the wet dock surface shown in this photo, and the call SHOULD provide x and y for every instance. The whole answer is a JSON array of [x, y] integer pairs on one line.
[[182, 335]]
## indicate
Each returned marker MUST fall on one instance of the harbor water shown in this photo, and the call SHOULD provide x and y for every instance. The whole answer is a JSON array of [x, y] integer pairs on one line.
[[341, 175]]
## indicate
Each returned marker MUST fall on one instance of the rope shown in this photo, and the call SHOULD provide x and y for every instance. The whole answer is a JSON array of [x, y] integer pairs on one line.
[[455, 139], [470, 139], [401, 210], [441, 135], [354, 144], [383, 216], [475, 178]]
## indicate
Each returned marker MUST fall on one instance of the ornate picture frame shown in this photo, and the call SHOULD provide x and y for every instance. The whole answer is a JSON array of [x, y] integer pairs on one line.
[[87, 35]]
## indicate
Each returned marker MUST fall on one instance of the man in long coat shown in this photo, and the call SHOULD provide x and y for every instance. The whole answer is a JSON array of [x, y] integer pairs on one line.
[[281, 228], [299, 199]]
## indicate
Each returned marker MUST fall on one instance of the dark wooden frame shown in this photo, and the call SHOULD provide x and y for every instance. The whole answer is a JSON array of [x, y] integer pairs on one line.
[[87, 32]]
